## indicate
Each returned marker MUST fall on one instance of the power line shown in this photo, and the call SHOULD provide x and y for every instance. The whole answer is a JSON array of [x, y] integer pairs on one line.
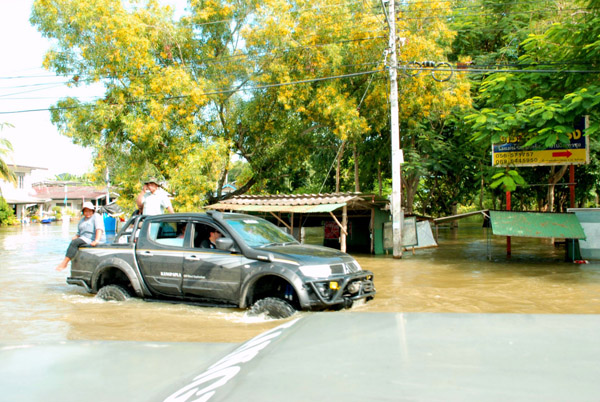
[[503, 13], [318, 79], [298, 11], [29, 85], [366, 15], [32, 90], [415, 5], [217, 92], [19, 77], [343, 66], [228, 59], [285, 51]]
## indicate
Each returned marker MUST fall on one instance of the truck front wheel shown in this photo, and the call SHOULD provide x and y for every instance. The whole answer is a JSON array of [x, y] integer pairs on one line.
[[113, 293], [272, 307]]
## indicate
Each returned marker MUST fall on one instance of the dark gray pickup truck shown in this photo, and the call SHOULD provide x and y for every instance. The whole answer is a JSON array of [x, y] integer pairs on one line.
[[254, 265]]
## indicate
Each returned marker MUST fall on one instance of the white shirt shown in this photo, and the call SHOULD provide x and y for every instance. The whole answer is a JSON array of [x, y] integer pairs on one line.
[[156, 203]]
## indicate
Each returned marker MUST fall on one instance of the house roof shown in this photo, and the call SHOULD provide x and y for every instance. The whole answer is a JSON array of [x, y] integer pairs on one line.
[[300, 203], [72, 192], [24, 168], [20, 197]]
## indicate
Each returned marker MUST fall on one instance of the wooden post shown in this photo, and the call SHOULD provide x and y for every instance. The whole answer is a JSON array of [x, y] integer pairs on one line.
[[508, 242], [372, 230], [282, 221], [344, 228], [572, 185]]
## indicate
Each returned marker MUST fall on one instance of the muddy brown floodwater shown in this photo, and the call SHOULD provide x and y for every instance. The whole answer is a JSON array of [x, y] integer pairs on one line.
[[467, 273]]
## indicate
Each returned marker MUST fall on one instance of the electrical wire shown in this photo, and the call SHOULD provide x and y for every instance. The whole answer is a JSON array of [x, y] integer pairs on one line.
[[415, 6], [216, 92], [286, 51], [32, 90], [504, 13], [318, 79]]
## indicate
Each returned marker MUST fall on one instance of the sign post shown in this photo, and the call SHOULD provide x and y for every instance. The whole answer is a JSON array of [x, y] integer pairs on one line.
[[576, 152]]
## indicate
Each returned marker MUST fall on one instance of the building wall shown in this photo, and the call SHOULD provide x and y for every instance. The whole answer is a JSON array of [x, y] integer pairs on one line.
[[21, 191]]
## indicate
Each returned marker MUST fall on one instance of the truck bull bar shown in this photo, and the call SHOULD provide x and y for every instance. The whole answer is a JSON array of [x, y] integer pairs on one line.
[[366, 289]]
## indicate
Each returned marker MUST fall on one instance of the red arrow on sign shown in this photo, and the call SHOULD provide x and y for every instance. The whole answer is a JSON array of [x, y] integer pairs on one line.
[[567, 153]]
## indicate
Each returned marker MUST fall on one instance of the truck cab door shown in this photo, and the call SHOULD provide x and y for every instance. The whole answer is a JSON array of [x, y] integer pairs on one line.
[[159, 254], [208, 273]]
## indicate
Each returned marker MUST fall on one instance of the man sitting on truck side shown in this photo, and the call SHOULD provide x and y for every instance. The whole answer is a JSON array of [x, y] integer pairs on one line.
[[153, 202]]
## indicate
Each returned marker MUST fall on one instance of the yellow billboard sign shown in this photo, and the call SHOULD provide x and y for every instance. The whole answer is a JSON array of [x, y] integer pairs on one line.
[[576, 152]]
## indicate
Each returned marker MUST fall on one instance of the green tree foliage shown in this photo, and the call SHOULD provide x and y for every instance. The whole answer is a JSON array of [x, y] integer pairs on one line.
[[554, 87], [171, 85], [488, 37], [428, 106], [7, 215], [290, 88], [5, 149], [147, 123]]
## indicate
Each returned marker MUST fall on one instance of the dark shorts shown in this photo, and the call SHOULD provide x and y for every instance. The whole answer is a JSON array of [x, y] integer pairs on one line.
[[73, 247]]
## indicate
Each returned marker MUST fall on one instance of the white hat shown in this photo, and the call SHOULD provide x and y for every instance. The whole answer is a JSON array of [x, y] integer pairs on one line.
[[88, 205]]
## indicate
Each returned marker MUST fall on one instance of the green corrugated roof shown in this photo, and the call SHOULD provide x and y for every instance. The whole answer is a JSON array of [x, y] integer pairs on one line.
[[279, 208], [536, 224]]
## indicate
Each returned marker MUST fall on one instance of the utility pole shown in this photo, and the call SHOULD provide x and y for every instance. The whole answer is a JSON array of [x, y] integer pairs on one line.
[[397, 158]]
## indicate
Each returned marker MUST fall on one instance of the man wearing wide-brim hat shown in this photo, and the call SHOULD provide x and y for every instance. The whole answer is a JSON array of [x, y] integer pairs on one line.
[[153, 202], [90, 230]]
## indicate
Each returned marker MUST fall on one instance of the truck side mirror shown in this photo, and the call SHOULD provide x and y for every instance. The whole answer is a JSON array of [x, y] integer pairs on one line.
[[226, 244]]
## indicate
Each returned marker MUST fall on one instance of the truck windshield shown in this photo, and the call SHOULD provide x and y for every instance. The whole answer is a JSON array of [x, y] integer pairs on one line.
[[258, 232]]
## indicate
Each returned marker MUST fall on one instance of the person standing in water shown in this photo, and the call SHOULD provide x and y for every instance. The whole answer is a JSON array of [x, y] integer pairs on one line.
[[90, 230]]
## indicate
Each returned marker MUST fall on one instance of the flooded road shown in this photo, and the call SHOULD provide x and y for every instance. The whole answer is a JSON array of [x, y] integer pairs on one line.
[[36, 305]]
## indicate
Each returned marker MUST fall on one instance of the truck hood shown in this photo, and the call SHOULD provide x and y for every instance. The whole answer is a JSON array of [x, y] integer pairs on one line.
[[307, 254]]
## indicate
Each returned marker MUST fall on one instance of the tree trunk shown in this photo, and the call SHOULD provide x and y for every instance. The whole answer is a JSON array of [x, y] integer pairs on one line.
[[379, 178], [481, 190], [411, 184], [552, 180], [356, 176], [454, 223], [337, 169], [242, 190]]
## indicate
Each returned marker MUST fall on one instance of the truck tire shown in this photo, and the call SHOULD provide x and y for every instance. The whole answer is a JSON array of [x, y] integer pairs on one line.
[[272, 307], [113, 293]]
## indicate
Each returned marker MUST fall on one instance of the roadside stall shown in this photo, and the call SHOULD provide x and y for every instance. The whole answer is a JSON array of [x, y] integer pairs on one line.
[[348, 221]]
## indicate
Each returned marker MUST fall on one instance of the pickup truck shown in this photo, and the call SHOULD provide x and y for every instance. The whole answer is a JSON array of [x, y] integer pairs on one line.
[[255, 265]]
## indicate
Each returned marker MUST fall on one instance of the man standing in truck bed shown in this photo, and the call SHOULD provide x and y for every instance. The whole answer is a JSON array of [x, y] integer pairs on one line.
[[153, 202]]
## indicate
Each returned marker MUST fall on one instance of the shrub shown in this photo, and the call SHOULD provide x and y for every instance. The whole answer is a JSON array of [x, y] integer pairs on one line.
[[57, 213], [7, 215]]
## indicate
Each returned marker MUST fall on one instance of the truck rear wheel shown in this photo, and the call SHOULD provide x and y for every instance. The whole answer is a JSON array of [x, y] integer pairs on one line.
[[272, 307], [113, 293]]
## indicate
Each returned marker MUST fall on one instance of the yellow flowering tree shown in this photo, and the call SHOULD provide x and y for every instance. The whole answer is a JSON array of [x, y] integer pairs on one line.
[[288, 86]]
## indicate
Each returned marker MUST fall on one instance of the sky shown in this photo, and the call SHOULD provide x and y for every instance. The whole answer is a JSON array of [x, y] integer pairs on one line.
[[25, 85]]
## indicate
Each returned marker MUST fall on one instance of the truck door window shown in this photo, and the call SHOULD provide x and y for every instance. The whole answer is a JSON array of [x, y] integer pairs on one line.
[[167, 233], [126, 234], [202, 232]]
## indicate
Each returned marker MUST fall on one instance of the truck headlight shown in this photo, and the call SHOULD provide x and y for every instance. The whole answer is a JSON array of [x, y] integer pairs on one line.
[[354, 287], [316, 271]]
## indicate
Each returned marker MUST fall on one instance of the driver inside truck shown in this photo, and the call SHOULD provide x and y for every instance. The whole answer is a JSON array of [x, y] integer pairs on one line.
[[213, 235]]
